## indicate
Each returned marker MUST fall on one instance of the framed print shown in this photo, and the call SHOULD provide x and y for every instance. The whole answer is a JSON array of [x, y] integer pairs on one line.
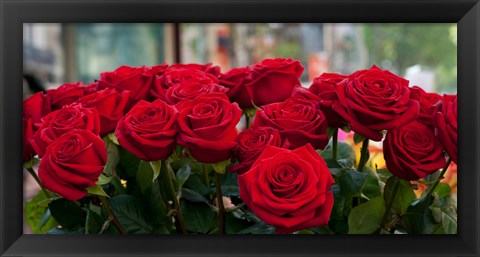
[[274, 128]]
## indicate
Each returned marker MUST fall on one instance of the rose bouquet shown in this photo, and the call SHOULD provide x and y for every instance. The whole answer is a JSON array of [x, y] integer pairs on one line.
[[185, 148]]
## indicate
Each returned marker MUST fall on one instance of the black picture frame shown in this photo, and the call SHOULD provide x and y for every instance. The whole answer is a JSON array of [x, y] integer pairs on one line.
[[466, 13]]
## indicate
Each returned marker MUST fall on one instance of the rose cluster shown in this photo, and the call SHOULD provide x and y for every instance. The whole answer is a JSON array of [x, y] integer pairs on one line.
[[153, 111]]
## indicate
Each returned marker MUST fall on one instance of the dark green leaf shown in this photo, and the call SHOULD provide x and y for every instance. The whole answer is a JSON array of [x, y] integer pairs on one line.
[[418, 219], [442, 190], [195, 182], [233, 225], [128, 164], [67, 213], [131, 214], [94, 223], [158, 210], [230, 184], [371, 188], [65, 231], [365, 218], [193, 196], [144, 176], [38, 215], [258, 228], [383, 174], [182, 175], [352, 182], [198, 217], [344, 151], [403, 198]]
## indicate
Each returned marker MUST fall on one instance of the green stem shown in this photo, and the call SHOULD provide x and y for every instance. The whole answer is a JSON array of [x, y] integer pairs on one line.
[[205, 176], [335, 144], [247, 120], [221, 208], [112, 215], [363, 156], [176, 203], [39, 182], [432, 188], [396, 185]]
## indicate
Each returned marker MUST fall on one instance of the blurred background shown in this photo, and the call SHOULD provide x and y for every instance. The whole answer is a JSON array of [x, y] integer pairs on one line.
[[57, 53]]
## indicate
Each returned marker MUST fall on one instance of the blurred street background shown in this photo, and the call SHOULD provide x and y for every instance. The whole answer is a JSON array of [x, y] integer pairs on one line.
[[56, 53]]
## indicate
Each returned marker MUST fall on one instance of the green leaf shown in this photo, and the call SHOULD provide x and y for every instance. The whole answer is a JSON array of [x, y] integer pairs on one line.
[[156, 166], [418, 219], [233, 225], [442, 190], [97, 190], [220, 167], [130, 212], [65, 231], [193, 196], [198, 218], [371, 187], [404, 196], [383, 174], [103, 180], [157, 210], [258, 228], [365, 218], [352, 182], [113, 157], [144, 176], [357, 138], [229, 182], [195, 183], [67, 213], [182, 175], [38, 215], [93, 223], [344, 151], [128, 164]]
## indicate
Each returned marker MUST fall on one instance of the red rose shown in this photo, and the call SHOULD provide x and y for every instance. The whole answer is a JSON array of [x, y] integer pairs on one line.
[[251, 143], [72, 163], [374, 100], [445, 120], [208, 68], [34, 108], [299, 121], [235, 80], [324, 87], [427, 104], [207, 127], [176, 76], [188, 91], [61, 121], [148, 130], [412, 151], [289, 189], [137, 80], [273, 80], [109, 104], [65, 94]]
